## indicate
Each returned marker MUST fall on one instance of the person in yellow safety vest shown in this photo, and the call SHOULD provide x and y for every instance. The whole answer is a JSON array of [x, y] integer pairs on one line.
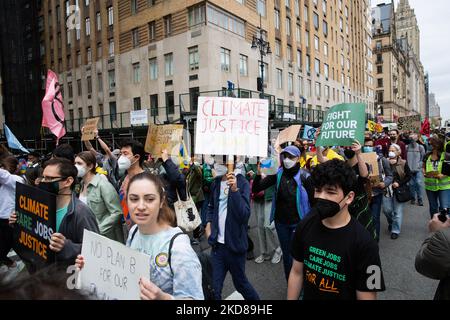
[[328, 154], [437, 185]]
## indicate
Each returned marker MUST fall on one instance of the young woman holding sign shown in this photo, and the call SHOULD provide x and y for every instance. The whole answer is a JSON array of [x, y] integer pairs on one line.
[[177, 278]]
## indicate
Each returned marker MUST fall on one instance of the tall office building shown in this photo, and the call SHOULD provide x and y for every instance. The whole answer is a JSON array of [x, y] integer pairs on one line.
[[135, 54], [20, 67]]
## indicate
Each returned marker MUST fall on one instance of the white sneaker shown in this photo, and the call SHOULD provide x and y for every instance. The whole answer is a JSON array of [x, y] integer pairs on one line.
[[261, 259], [277, 256]]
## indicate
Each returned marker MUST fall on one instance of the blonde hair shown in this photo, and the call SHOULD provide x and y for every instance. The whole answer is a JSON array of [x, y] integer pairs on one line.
[[396, 146]]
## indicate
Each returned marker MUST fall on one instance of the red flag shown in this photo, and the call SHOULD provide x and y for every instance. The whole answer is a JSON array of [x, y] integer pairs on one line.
[[53, 107], [425, 130]]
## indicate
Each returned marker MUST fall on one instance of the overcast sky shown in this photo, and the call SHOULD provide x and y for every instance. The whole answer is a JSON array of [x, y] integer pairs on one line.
[[434, 24]]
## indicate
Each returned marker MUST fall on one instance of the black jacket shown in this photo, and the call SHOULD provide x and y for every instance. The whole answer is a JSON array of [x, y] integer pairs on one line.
[[174, 181], [433, 261], [77, 218]]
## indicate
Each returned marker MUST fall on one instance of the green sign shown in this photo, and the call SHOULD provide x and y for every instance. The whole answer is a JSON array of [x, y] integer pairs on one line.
[[343, 124]]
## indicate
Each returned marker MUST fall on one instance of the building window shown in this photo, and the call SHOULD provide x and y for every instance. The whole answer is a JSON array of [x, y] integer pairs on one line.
[[88, 26], [226, 21], [308, 88], [100, 110], [261, 7], [168, 58], [135, 37], [307, 38], [152, 31], [316, 43], [318, 90], [279, 79], [99, 50], [326, 71], [134, 7], [277, 48], [79, 87], [243, 65], [225, 59], [168, 25], [196, 15], [298, 32], [317, 66], [70, 89], [324, 7], [89, 55], [288, 27], [306, 14], [86, 2], [297, 7], [299, 59], [80, 113], [113, 111], [154, 105], [325, 28], [110, 16], [325, 49], [327, 92], [170, 106], [111, 48], [112, 79], [100, 82], [137, 103], [194, 93], [308, 64], [99, 21], [291, 84], [300, 86], [194, 58], [379, 69], [379, 83], [316, 21], [289, 53], [90, 112], [277, 19], [136, 73], [153, 69], [287, 3]]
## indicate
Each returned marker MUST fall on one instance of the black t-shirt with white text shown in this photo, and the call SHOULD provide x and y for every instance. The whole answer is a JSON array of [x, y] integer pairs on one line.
[[337, 262]]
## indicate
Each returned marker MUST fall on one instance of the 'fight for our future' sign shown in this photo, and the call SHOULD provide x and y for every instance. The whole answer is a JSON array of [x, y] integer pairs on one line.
[[230, 126], [343, 124], [36, 222]]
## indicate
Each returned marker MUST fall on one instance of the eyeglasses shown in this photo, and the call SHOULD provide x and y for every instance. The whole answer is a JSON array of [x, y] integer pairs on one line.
[[52, 179]]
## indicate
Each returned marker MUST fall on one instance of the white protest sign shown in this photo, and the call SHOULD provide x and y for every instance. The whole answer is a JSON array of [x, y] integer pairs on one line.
[[112, 270], [231, 126], [138, 117]]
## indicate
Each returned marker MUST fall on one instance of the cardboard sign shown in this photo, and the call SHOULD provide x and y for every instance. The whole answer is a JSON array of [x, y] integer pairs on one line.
[[309, 132], [343, 124], [139, 117], [160, 137], [36, 222], [112, 270], [89, 128], [410, 123], [371, 125], [371, 159], [230, 126], [289, 134]]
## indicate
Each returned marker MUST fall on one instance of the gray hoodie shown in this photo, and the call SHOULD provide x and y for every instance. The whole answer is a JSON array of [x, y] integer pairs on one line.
[[416, 153]]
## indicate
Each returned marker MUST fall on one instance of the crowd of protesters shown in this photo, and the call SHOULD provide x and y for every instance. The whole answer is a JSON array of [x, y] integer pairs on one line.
[[319, 203]]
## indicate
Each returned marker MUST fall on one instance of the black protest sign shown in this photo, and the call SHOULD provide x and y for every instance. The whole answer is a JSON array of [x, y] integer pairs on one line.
[[410, 123], [36, 222]]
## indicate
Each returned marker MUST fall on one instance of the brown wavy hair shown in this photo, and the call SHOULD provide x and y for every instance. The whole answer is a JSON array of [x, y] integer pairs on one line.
[[89, 158], [166, 214]]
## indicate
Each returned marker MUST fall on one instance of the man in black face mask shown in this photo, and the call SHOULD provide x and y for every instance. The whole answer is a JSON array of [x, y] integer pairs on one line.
[[72, 215], [335, 258], [394, 136]]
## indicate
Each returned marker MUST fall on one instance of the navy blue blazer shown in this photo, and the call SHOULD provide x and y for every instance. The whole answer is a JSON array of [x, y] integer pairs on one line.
[[238, 213]]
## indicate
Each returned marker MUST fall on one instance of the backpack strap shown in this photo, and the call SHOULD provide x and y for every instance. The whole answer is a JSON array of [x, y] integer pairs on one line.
[[170, 249], [133, 234]]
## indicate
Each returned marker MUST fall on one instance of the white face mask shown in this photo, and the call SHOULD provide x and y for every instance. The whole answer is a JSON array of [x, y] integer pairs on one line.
[[210, 162], [81, 171], [392, 155], [124, 163], [220, 170], [289, 163]]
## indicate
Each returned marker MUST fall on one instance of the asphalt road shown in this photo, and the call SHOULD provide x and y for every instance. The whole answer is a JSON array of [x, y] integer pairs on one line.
[[397, 258]]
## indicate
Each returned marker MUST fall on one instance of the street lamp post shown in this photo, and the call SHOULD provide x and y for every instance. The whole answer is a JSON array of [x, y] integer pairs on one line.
[[258, 42]]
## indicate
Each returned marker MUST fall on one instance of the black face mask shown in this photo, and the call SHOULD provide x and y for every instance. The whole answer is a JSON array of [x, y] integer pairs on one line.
[[50, 187], [326, 208], [349, 153]]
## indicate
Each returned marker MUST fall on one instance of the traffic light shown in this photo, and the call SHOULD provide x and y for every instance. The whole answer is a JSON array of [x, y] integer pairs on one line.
[[259, 86]]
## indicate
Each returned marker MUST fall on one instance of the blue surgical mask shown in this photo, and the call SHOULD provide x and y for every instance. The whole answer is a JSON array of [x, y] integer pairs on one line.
[[367, 149]]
